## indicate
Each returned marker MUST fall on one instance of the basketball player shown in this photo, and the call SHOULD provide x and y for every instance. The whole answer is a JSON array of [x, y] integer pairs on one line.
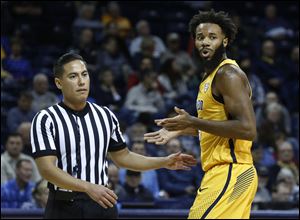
[[225, 124]]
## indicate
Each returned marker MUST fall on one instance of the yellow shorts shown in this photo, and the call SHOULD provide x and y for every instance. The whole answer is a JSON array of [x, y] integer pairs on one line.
[[226, 191]]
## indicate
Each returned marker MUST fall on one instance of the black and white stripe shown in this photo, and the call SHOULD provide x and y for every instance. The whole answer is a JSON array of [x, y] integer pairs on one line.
[[80, 140]]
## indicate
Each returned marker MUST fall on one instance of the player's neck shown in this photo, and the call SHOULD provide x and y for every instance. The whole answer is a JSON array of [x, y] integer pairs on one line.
[[210, 66]]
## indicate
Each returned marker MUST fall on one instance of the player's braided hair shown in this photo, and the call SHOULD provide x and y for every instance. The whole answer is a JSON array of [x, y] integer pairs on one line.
[[220, 18]]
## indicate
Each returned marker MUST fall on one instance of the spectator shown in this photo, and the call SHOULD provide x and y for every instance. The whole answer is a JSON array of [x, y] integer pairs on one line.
[[21, 113], [179, 185], [143, 30], [271, 97], [113, 15], [273, 124], [135, 191], [18, 66], [281, 138], [291, 68], [24, 131], [285, 159], [85, 46], [149, 178], [111, 30], [86, 19], [11, 156], [269, 68], [174, 87], [40, 195], [42, 97], [262, 156], [286, 190], [258, 91], [146, 64], [113, 58], [136, 132], [107, 93], [114, 182], [288, 177], [17, 191], [273, 26], [144, 98], [147, 50], [262, 194], [181, 57]]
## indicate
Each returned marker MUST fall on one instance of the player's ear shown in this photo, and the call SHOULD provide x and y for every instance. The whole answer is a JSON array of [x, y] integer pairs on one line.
[[57, 82], [225, 42]]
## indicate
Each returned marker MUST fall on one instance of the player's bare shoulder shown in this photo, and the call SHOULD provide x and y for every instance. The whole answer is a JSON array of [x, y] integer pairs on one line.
[[231, 73]]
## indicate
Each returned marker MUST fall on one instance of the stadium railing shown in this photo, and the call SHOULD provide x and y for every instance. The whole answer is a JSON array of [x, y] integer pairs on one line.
[[153, 213]]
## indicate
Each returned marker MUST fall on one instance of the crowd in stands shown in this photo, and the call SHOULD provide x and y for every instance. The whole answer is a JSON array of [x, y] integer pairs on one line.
[[141, 64]]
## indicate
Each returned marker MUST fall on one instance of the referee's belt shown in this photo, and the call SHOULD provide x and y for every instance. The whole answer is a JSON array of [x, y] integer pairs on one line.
[[67, 196]]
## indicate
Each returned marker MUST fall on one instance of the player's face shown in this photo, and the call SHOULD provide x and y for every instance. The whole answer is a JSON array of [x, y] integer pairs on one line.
[[208, 39], [74, 82]]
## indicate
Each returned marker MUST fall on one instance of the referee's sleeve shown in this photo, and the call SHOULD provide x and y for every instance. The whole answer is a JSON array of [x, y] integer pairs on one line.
[[42, 135], [117, 142]]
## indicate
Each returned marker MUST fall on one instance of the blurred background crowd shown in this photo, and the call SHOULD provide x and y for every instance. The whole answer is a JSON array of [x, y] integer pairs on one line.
[[141, 64]]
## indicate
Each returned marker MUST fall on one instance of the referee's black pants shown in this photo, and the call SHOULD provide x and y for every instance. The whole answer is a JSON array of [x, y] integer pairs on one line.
[[64, 205]]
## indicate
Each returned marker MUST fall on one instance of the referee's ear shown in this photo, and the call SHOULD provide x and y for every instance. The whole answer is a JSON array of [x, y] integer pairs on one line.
[[57, 83]]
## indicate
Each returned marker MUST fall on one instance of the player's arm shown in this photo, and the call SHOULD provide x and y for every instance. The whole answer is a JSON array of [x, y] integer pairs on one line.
[[241, 124], [132, 161], [47, 168]]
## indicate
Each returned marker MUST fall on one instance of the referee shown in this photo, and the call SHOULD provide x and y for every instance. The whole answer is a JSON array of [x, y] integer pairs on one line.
[[70, 142]]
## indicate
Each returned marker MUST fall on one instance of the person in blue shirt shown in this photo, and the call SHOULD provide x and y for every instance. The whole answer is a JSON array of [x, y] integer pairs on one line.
[[149, 178], [23, 112], [19, 190], [40, 195]]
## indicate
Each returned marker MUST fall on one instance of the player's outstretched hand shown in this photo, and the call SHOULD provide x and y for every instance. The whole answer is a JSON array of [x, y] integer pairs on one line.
[[180, 122], [161, 136], [179, 161]]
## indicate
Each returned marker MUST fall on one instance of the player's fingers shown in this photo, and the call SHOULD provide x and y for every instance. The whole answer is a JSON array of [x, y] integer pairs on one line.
[[171, 127], [164, 141], [151, 134], [179, 110], [151, 140]]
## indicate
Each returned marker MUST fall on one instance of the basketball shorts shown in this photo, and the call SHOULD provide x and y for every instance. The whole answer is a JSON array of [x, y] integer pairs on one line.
[[226, 191]]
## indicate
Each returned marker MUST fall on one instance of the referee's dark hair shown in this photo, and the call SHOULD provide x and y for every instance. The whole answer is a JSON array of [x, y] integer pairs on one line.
[[220, 18], [58, 68]]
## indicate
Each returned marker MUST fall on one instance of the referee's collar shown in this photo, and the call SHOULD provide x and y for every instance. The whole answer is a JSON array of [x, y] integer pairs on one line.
[[81, 113]]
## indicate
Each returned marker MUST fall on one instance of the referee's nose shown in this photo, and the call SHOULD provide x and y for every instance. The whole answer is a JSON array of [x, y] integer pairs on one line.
[[81, 81]]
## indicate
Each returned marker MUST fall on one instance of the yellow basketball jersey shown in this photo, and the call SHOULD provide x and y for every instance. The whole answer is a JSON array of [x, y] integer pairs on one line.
[[217, 150]]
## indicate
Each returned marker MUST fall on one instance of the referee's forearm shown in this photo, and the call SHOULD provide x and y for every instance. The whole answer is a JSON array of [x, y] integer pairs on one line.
[[64, 180], [137, 162]]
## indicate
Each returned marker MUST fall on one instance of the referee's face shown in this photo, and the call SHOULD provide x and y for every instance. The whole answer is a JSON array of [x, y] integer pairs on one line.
[[74, 83]]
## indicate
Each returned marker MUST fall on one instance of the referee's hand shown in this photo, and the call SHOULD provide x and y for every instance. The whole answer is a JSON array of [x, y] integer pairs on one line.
[[102, 195], [179, 161]]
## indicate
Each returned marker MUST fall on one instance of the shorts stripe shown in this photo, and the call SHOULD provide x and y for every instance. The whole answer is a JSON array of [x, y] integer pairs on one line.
[[221, 194]]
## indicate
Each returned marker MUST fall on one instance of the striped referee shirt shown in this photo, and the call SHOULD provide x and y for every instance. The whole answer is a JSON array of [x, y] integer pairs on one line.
[[79, 139]]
